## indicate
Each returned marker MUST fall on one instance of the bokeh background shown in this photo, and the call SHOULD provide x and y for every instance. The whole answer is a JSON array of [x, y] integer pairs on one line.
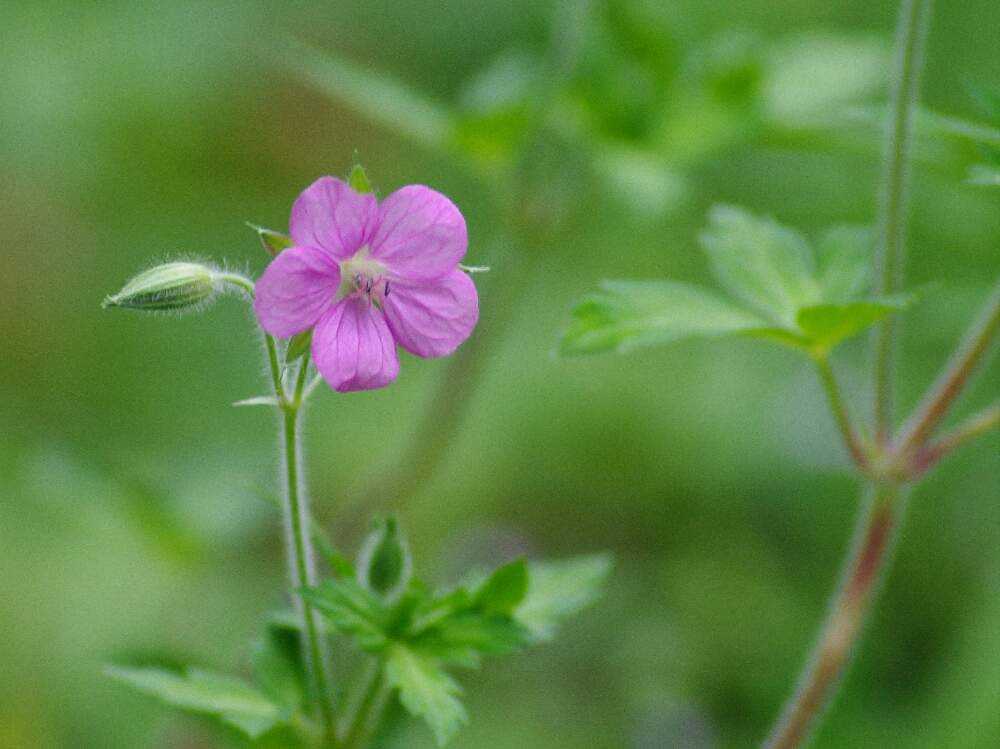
[[135, 524]]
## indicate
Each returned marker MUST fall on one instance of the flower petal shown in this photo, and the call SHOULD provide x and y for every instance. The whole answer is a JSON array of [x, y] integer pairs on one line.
[[353, 348], [432, 319], [330, 215], [421, 235], [296, 289]]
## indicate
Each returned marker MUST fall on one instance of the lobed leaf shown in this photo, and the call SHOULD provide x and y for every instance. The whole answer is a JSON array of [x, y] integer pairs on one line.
[[233, 701], [844, 259], [826, 325], [766, 265], [560, 589], [625, 315], [352, 610], [425, 690], [277, 667]]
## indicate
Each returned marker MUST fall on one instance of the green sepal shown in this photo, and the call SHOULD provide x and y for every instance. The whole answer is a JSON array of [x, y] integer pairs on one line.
[[298, 346], [358, 180], [272, 241]]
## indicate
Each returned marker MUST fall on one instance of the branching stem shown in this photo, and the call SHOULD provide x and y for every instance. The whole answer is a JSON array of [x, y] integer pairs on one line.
[[942, 394], [881, 517], [875, 533], [838, 407]]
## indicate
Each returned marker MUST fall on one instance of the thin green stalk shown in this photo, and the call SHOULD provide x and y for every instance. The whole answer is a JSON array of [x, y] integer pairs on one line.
[[975, 426], [911, 32], [939, 398], [832, 652], [302, 566], [842, 416], [297, 517], [360, 727]]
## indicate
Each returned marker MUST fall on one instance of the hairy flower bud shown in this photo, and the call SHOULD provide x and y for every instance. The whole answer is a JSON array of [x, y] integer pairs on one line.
[[172, 286]]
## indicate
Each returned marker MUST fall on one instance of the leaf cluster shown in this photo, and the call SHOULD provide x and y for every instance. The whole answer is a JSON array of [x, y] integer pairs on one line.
[[412, 633], [779, 287], [416, 633]]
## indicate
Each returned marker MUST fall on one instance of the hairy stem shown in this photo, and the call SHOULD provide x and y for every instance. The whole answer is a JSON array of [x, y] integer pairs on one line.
[[914, 17], [847, 614], [842, 416], [302, 565], [942, 394]]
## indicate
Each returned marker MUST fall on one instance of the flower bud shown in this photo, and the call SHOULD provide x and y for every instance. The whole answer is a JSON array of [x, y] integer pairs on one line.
[[384, 564], [172, 286]]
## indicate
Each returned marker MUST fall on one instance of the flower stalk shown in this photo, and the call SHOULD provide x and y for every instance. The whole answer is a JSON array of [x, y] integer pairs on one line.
[[302, 566]]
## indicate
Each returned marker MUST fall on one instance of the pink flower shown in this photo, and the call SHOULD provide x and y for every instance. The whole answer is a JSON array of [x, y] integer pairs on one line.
[[368, 275]]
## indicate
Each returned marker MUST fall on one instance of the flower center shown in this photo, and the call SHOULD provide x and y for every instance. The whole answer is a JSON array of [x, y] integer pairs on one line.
[[363, 277]]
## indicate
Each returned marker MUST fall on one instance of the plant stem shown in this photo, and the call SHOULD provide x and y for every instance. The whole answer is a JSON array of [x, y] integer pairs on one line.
[[881, 517], [850, 605], [911, 32], [942, 394], [302, 566], [975, 426], [839, 408], [364, 720]]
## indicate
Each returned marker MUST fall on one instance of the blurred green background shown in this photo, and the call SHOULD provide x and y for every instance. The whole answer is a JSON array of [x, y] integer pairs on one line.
[[134, 521]]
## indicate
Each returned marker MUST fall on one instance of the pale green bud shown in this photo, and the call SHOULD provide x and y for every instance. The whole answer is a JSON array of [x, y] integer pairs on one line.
[[384, 564], [168, 287]]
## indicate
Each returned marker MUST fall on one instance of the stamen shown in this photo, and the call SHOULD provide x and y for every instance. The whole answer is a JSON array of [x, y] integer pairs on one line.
[[385, 291]]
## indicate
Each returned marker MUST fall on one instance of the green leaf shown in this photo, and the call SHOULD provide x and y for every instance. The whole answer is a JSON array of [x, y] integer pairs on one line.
[[844, 255], [298, 346], [384, 563], [766, 265], [374, 95], [460, 639], [358, 180], [560, 589], [272, 241], [277, 667], [626, 315], [826, 325], [352, 610], [232, 700], [426, 691], [502, 591]]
